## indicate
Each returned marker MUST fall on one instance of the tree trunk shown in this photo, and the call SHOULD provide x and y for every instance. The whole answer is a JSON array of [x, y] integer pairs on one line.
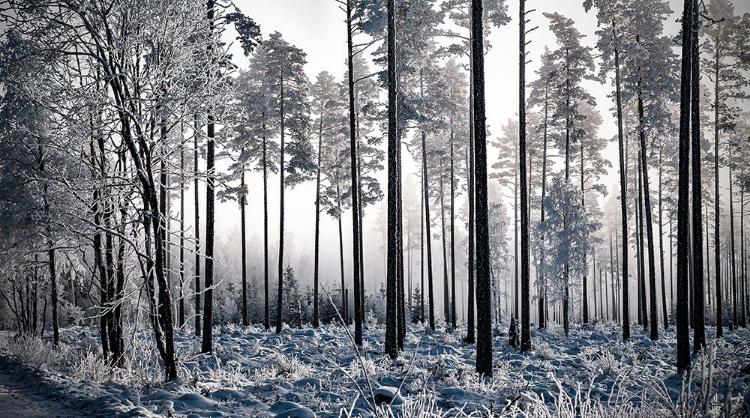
[[446, 292], [566, 279], [280, 295], [453, 233], [699, 332], [426, 194], [182, 237], [484, 303], [525, 279], [196, 210], [208, 300], [593, 283], [717, 201], [743, 257], [356, 218], [316, 304], [585, 271], [391, 327], [542, 283], [733, 256], [623, 193], [642, 306], [683, 211], [243, 203], [266, 290], [344, 300], [662, 275], [649, 225], [421, 255]]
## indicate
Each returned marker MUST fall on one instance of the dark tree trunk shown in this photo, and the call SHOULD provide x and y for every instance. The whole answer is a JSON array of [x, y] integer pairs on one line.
[[344, 300], [266, 287], [53, 291], [484, 302], [612, 268], [733, 257], [391, 326], [426, 194], [717, 201], [446, 292], [516, 243], [743, 257], [453, 234], [593, 283], [649, 226], [542, 283], [182, 237], [566, 277], [421, 256], [662, 275], [623, 193], [699, 331], [243, 203], [196, 210], [356, 218], [642, 307], [316, 304], [585, 271], [683, 210], [525, 279], [280, 295], [208, 300], [400, 258]]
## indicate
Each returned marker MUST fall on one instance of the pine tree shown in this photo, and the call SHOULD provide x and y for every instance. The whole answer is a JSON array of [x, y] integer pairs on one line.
[[289, 85], [609, 42], [575, 64], [328, 110]]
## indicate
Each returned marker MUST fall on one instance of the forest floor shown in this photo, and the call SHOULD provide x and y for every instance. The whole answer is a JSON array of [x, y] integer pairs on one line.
[[317, 372], [19, 398]]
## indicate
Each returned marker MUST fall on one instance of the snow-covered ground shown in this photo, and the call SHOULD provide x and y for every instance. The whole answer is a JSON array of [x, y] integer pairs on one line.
[[317, 372]]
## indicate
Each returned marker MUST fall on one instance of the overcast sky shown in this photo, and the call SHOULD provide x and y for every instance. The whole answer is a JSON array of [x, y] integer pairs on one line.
[[318, 28]]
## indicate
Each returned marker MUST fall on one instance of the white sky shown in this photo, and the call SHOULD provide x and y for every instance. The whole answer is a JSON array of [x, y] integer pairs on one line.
[[317, 27]]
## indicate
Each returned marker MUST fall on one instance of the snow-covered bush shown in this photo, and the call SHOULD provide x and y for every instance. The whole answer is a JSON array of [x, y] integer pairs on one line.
[[36, 351]]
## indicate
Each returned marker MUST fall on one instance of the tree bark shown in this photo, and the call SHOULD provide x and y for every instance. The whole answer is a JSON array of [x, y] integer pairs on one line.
[[717, 201], [316, 312], [196, 210], [391, 327], [280, 295], [699, 331], [649, 225], [453, 233], [356, 218], [208, 288], [426, 194], [243, 203], [267, 311], [182, 236], [484, 303], [733, 255], [683, 212], [662, 275], [446, 292], [525, 279], [623, 193]]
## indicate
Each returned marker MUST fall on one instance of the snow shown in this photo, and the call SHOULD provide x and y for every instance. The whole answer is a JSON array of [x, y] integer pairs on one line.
[[317, 373]]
